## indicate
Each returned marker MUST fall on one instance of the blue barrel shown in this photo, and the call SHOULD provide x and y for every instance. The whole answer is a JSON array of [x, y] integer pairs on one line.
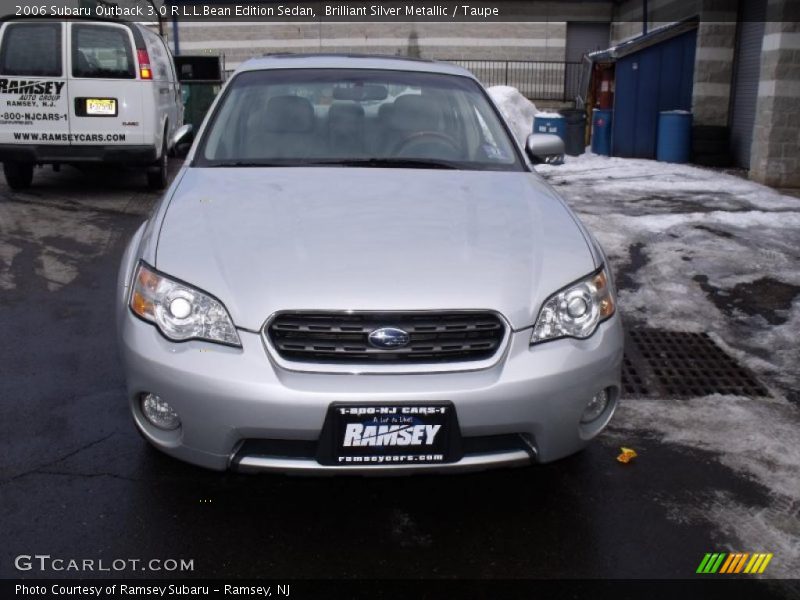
[[550, 123], [674, 136], [601, 131]]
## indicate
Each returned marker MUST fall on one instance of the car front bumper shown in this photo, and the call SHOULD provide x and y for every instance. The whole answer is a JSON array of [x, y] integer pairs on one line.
[[229, 397]]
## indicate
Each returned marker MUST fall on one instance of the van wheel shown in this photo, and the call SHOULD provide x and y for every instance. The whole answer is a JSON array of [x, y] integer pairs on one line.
[[18, 175], [157, 174]]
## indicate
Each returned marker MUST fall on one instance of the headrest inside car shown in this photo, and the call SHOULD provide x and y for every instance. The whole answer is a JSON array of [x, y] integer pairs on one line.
[[415, 113], [345, 111], [361, 93], [289, 114]]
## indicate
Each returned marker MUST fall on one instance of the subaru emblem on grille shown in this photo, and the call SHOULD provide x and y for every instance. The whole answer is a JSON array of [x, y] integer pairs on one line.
[[389, 337]]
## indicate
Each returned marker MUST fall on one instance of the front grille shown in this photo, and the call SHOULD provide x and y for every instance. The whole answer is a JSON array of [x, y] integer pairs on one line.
[[434, 337]]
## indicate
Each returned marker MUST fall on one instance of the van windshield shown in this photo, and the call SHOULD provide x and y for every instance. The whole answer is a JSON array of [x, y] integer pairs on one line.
[[355, 117], [32, 49], [102, 52]]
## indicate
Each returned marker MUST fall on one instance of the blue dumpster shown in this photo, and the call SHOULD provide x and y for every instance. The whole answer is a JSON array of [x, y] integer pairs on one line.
[[552, 123], [601, 131], [674, 136]]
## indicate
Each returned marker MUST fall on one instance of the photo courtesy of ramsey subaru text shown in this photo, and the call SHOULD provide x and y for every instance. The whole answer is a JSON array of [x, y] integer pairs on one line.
[[357, 270], [88, 91]]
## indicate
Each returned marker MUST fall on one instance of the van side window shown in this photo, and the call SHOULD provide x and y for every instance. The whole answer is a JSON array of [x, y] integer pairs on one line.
[[32, 49], [102, 52]]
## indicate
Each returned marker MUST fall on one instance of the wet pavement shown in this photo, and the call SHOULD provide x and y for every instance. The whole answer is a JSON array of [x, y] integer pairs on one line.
[[76, 481]]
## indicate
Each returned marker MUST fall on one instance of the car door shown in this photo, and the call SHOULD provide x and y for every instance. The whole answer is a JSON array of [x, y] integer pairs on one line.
[[106, 86], [34, 106]]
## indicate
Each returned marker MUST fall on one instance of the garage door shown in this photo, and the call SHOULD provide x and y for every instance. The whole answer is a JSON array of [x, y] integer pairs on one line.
[[582, 38], [585, 37], [747, 67]]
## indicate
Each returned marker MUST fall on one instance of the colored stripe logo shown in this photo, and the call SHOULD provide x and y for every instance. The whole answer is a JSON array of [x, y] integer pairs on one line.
[[734, 562]]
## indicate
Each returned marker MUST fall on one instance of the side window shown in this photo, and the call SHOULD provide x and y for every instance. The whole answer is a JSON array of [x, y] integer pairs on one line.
[[32, 49], [99, 51]]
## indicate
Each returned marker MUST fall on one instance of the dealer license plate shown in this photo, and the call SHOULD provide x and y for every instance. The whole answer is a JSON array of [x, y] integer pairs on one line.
[[390, 434], [101, 106]]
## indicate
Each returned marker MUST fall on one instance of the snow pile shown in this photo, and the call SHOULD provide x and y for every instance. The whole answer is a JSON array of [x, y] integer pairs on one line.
[[549, 115], [516, 108]]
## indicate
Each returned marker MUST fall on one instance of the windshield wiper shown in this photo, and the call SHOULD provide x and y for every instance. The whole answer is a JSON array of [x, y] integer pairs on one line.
[[255, 163], [399, 163]]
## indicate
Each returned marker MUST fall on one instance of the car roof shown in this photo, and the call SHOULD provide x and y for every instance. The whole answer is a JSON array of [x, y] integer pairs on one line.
[[351, 61]]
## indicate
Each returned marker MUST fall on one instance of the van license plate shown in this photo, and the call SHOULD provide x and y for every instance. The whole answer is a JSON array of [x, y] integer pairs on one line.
[[101, 106]]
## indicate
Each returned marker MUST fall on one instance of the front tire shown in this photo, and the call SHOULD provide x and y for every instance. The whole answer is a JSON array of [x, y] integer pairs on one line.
[[18, 175], [157, 175]]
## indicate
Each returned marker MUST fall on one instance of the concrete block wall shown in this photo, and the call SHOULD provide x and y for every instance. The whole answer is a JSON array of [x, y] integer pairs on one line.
[[713, 63], [775, 154], [540, 41], [713, 72], [627, 20]]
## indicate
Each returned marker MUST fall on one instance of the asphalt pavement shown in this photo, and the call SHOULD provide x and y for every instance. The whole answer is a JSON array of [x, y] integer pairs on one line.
[[76, 481]]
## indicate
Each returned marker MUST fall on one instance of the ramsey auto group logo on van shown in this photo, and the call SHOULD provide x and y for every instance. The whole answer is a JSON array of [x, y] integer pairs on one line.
[[33, 87]]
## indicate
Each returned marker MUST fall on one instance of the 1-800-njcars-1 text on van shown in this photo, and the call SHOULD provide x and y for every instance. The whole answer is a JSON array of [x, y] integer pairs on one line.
[[85, 91]]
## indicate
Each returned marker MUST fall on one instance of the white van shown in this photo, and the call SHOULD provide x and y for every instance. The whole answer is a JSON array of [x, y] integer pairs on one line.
[[88, 90]]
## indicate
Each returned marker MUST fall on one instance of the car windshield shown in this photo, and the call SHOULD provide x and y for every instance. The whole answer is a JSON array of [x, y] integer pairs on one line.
[[380, 118]]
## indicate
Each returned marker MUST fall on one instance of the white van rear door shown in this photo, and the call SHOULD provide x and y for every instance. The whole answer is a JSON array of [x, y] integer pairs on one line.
[[34, 104], [105, 91]]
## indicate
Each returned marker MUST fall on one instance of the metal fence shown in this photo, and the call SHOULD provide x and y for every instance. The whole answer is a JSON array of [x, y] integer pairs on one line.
[[536, 79]]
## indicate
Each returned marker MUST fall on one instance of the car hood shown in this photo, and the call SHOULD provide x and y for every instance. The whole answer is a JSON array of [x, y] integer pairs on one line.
[[269, 239]]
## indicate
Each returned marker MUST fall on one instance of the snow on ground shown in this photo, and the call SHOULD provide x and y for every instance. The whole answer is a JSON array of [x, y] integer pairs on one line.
[[759, 440], [695, 249], [699, 250], [769, 529]]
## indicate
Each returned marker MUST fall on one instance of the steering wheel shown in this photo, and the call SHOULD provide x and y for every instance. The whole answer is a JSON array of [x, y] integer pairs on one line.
[[423, 137]]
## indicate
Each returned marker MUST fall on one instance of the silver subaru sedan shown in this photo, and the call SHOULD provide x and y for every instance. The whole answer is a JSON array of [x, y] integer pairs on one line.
[[357, 270]]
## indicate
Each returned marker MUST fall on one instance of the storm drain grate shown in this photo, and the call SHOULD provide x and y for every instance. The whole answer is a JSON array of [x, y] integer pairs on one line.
[[632, 383], [682, 364]]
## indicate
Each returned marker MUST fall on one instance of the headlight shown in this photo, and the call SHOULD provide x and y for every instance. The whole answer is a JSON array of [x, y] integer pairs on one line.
[[179, 311], [577, 310]]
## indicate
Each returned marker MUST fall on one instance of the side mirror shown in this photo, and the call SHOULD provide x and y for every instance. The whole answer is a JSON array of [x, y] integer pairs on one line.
[[545, 148], [182, 140]]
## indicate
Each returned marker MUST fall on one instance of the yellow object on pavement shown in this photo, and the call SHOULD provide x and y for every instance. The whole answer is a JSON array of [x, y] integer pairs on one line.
[[627, 455]]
